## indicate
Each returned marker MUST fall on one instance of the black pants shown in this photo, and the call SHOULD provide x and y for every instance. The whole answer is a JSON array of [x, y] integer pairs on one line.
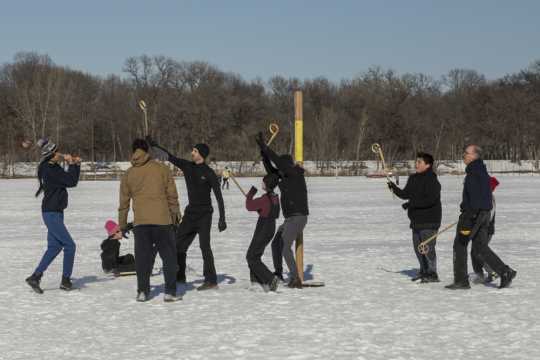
[[191, 226], [261, 238], [225, 184], [477, 263], [147, 238], [277, 251], [480, 249], [126, 263]]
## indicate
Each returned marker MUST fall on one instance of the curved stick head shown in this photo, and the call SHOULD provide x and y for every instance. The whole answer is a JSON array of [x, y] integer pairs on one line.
[[423, 249], [142, 105], [376, 148], [274, 128]]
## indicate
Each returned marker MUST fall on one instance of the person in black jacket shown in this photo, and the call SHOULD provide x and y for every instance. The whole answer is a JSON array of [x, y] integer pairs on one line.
[[474, 222], [200, 180], [53, 182], [423, 192], [294, 203], [111, 261]]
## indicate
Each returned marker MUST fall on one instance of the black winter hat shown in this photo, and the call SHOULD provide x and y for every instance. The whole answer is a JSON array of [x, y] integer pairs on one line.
[[271, 181], [203, 149]]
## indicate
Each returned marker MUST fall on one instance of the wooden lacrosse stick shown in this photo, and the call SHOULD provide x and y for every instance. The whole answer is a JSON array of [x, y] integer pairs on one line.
[[274, 130], [377, 149], [237, 184], [142, 105], [423, 247]]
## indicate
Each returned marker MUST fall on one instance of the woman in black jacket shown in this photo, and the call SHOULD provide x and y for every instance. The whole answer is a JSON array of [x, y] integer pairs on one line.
[[53, 182]]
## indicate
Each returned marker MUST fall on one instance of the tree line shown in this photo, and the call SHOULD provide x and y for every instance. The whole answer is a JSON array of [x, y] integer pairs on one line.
[[190, 102]]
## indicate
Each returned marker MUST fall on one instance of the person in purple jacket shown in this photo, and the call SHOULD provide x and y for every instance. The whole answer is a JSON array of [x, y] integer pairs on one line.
[[267, 206]]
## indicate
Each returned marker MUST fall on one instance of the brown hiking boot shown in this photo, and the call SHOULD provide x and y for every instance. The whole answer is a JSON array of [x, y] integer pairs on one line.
[[295, 283], [207, 286]]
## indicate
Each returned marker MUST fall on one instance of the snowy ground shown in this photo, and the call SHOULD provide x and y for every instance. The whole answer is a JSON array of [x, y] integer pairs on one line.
[[356, 228]]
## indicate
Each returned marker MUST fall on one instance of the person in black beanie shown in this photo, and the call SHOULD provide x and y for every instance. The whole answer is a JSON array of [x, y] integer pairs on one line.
[[294, 203], [423, 192], [200, 181]]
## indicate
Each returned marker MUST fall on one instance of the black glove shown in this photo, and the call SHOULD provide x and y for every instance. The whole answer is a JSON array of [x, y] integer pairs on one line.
[[406, 205], [222, 225], [126, 230], [260, 141], [151, 141], [466, 222], [391, 186], [252, 192]]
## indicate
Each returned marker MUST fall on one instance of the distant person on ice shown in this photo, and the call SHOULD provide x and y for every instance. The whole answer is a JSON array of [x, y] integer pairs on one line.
[[111, 261], [150, 185], [225, 175], [53, 182], [423, 192], [200, 181], [477, 263], [294, 203], [474, 223], [267, 206]]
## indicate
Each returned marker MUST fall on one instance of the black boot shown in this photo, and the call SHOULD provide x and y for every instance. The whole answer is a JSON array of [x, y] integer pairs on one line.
[[66, 284], [430, 278], [458, 286], [273, 286], [279, 276], [34, 281], [506, 277]]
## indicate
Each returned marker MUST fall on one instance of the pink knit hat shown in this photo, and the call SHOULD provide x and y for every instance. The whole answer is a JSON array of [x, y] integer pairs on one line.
[[111, 227]]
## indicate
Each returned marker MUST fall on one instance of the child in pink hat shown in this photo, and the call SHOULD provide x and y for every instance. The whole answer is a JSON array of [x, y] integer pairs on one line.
[[111, 261]]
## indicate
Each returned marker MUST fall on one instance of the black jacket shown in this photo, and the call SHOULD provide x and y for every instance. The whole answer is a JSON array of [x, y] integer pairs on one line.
[[55, 181], [476, 190], [423, 191], [294, 200], [200, 180]]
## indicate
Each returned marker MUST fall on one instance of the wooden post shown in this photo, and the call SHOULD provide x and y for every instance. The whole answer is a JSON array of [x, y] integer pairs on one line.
[[299, 157]]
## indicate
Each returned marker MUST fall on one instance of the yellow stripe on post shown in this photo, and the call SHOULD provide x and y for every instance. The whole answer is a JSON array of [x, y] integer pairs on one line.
[[299, 157]]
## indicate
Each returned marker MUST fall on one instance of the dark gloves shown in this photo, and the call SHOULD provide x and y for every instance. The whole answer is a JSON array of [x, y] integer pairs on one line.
[[391, 186], [252, 192], [222, 225], [406, 205], [151, 141], [260, 140], [126, 230], [466, 222]]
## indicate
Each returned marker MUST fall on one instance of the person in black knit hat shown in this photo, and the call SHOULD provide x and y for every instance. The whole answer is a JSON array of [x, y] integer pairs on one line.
[[267, 206], [197, 220]]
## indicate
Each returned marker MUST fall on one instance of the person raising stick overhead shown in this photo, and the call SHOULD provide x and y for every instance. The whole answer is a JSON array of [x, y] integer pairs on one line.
[[200, 180], [294, 203]]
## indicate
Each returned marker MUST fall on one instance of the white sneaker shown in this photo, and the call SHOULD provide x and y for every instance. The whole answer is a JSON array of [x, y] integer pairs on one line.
[[171, 298]]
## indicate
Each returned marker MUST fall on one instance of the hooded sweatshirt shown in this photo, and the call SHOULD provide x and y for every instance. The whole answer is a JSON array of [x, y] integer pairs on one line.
[[150, 185]]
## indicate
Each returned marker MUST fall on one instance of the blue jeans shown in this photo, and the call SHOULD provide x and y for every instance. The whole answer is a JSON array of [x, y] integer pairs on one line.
[[58, 238]]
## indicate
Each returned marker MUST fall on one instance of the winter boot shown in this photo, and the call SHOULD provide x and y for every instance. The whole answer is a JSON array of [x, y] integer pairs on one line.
[[33, 281], [207, 286], [66, 284], [459, 286], [506, 277], [431, 278], [279, 276], [295, 283], [273, 286]]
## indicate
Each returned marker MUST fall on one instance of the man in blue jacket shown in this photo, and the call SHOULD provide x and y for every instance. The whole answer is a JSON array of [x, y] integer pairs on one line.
[[474, 223]]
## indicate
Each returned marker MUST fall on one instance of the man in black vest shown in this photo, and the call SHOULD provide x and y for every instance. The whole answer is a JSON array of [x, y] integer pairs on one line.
[[474, 223], [423, 192]]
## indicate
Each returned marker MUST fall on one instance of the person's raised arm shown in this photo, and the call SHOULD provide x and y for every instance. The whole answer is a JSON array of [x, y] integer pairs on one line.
[[59, 177], [400, 193], [178, 162]]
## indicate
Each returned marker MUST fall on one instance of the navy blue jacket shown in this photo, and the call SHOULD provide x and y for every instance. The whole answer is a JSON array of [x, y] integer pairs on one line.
[[55, 181], [476, 190]]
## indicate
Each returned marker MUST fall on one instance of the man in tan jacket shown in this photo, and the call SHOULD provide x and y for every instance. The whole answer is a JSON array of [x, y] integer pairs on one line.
[[149, 184]]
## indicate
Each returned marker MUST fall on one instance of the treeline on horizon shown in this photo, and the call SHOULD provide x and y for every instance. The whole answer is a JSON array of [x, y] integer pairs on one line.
[[190, 102]]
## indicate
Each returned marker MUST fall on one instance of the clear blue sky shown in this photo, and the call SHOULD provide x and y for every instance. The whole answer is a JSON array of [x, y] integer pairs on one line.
[[336, 39]]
